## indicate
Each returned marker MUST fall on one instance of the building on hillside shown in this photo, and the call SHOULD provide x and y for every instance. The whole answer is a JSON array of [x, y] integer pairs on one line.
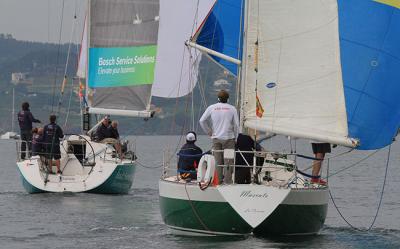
[[21, 78], [222, 84]]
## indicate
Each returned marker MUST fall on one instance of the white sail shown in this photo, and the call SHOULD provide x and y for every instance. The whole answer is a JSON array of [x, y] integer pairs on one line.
[[122, 38], [299, 79], [81, 72], [177, 65]]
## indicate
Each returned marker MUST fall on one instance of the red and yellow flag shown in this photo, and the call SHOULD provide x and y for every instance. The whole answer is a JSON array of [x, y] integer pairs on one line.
[[81, 89], [259, 108]]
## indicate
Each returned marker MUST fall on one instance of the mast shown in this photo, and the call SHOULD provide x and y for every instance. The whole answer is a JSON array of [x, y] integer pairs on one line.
[[13, 111], [242, 72]]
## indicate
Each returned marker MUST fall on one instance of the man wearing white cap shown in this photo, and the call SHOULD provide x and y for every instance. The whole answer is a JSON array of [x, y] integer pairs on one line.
[[189, 157], [223, 130]]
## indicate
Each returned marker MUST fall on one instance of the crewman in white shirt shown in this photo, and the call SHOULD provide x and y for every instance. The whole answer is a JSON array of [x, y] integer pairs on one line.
[[223, 131]]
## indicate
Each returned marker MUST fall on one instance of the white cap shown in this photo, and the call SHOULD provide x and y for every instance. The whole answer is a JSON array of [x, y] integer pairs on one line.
[[190, 137]]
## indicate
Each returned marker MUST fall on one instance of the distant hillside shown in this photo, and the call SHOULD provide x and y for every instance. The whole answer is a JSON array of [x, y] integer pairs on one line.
[[33, 57], [40, 61]]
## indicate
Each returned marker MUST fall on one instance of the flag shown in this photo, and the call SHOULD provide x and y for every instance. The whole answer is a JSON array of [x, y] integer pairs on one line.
[[81, 89], [259, 108]]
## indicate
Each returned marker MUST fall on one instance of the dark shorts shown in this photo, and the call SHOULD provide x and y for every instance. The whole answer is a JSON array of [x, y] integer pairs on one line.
[[321, 147], [53, 152]]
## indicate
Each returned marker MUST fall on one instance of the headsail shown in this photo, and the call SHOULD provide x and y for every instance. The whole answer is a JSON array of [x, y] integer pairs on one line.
[[370, 52], [177, 65], [293, 60], [222, 31], [122, 54], [82, 62]]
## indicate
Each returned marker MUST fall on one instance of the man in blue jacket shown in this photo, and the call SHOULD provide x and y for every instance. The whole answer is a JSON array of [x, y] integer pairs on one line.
[[25, 120], [189, 157], [52, 133]]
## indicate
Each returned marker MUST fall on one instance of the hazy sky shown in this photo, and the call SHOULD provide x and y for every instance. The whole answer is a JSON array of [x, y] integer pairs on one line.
[[39, 20]]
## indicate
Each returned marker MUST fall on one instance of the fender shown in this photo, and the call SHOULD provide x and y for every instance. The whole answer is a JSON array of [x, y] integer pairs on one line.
[[206, 168]]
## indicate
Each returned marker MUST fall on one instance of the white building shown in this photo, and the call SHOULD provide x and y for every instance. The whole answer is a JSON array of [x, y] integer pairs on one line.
[[17, 78]]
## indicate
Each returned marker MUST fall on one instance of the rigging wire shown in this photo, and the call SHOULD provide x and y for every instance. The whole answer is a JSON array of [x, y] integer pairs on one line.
[[195, 211], [354, 164], [58, 55], [67, 60], [380, 199]]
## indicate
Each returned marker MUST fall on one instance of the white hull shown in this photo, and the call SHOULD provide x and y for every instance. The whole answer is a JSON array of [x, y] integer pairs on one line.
[[9, 135], [77, 177]]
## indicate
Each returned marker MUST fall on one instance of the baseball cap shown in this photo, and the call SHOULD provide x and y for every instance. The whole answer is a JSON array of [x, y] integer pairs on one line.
[[191, 137]]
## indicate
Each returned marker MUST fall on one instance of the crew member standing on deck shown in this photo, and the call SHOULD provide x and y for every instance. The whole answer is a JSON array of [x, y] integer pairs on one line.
[[51, 136], [319, 150], [25, 120], [223, 131]]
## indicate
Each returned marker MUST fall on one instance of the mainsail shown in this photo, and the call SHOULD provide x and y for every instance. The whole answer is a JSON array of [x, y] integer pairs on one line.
[[293, 66], [122, 42]]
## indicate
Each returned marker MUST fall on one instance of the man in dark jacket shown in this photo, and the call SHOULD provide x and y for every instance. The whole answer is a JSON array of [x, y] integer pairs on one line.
[[114, 130], [189, 157], [25, 120], [51, 137], [103, 131], [245, 161], [37, 142], [108, 134]]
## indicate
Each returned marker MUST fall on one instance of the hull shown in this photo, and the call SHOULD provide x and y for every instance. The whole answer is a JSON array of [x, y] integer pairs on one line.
[[86, 167], [119, 182], [293, 220], [203, 217], [184, 207]]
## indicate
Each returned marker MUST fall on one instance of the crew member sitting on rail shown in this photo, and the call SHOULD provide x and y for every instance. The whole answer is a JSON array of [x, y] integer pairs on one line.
[[108, 134], [189, 157]]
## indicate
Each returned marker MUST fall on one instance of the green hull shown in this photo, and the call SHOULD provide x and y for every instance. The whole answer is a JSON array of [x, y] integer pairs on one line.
[[29, 187], [220, 218], [293, 219], [120, 182], [202, 217]]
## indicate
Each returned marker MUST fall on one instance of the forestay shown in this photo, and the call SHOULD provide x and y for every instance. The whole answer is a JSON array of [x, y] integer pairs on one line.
[[122, 55]]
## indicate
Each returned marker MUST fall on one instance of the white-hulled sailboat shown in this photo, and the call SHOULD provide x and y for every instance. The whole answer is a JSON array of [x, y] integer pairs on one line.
[[307, 70], [117, 60], [11, 134]]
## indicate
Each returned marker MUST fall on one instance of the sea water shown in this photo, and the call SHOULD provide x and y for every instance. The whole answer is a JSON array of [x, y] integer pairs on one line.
[[134, 221]]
